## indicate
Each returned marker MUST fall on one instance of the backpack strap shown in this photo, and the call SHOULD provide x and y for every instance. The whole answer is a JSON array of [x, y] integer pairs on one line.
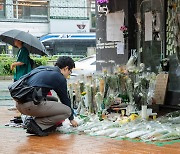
[[39, 69], [34, 71]]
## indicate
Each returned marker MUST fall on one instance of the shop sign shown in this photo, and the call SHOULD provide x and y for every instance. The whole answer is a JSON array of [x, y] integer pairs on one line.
[[102, 1]]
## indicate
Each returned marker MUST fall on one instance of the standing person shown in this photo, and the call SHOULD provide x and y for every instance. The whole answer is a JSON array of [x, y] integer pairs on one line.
[[48, 114], [22, 64]]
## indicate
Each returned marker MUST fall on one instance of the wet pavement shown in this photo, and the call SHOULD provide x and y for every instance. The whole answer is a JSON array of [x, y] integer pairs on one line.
[[5, 98], [16, 141]]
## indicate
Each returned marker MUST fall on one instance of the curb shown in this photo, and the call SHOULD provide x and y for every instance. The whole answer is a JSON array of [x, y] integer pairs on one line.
[[6, 77]]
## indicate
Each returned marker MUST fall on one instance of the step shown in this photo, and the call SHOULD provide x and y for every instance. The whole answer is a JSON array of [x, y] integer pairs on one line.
[[7, 103], [5, 95], [4, 92], [5, 98], [6, 77]]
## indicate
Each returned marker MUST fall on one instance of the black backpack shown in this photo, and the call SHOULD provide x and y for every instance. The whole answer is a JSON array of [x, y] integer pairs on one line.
[[21, 92]]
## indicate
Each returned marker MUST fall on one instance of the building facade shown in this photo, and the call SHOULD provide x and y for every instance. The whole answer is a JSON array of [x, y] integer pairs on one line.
[[40, 17], [147, 29], [29, 16], [71, 16]]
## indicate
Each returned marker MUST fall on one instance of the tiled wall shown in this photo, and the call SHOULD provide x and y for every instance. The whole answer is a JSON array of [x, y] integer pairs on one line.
[[173, 7], [68, 9], [9, 9], [171, 25]]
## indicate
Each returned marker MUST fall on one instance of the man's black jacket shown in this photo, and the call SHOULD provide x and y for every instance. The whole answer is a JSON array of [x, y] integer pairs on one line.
[[52, 80]]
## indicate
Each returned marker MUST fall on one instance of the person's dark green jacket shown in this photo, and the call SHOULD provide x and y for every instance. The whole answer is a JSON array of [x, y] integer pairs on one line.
[[23, 56]]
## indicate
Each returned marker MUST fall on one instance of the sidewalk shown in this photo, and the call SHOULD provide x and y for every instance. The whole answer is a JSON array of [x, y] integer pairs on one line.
[[16, 141], [5, 98]]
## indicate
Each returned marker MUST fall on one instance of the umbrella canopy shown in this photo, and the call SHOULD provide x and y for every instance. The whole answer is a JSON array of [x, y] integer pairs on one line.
[[33, 44]]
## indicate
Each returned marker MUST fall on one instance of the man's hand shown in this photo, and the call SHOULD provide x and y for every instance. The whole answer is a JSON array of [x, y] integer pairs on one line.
[[74, 123]]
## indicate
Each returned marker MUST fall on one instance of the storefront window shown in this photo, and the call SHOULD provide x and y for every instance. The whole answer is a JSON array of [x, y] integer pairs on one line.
[[2, 9], [30, 9]]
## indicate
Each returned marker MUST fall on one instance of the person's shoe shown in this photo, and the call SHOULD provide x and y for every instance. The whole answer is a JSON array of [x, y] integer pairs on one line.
[[17, 120], [53, 128], [50, 129], [26, 121], [13, 108], [33, 128]]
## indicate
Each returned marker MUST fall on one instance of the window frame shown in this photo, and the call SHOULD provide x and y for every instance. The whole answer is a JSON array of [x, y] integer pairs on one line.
[[2, 4], [21, 7]]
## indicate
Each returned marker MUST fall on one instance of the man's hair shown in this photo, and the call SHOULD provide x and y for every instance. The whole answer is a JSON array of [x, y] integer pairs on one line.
[[65, 61]]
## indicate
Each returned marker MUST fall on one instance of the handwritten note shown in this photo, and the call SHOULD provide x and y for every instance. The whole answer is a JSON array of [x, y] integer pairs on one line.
[[120, 48], [148, 26]]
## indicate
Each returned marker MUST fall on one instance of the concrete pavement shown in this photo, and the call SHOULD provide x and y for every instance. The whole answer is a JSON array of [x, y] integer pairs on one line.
[[5, 98], [16, 141]]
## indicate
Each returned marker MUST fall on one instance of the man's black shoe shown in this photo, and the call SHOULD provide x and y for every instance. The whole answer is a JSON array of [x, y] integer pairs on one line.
[[17, 120], [33, 128], [50, 129]]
